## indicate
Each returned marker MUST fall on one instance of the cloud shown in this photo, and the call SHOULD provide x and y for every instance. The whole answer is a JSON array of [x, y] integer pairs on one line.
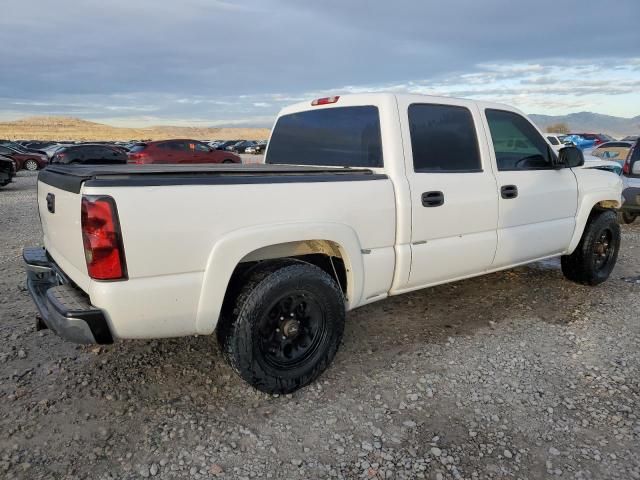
[[222, 59]]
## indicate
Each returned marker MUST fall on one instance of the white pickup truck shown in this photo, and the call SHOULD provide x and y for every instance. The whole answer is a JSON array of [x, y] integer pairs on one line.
[[361, 197]]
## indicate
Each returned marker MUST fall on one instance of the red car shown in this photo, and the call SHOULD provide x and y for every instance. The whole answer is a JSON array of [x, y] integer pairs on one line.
[[179, 151], [28, 161]]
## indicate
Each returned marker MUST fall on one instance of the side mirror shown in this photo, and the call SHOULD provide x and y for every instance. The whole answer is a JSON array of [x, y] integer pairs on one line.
[[571, 157]]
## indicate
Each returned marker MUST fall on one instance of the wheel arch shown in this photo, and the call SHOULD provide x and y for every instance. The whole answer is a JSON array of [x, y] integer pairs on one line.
[[591, 203], [272, 242]]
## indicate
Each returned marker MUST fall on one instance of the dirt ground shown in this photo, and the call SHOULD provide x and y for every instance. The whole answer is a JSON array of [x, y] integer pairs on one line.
[[519, 374]]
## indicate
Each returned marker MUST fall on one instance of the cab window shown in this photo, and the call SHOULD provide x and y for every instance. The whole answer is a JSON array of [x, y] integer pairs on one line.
[[443, 139], [338, 136], [516, 143]]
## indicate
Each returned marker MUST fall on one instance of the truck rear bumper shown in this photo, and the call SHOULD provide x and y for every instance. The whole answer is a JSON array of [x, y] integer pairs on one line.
[[64, 308]]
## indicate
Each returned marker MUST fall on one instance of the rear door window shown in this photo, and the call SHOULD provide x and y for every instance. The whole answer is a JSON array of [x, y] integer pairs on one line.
[[338, 136], [443, 139]]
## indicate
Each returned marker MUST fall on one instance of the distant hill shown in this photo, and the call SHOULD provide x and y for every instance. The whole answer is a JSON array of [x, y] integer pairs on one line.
[[592, 123], [67, 128]]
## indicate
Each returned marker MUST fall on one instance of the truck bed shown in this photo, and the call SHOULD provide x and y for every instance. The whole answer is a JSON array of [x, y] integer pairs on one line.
[[72, 177]]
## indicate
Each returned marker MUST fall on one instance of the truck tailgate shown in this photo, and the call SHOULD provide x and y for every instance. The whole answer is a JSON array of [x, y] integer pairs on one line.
[[60, 217]]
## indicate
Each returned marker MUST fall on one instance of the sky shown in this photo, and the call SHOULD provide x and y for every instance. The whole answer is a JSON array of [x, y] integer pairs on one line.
[[236, 63]]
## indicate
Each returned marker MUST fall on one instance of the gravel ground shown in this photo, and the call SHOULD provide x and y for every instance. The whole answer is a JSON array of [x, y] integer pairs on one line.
[[518, 374]]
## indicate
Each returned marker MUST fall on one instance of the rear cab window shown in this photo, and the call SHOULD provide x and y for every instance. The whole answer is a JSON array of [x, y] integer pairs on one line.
[[329, 137]]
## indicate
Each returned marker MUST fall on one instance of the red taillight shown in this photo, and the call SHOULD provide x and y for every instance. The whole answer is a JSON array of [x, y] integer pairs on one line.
[[626, 167], [325, 100], [138, 158], [102, 239]]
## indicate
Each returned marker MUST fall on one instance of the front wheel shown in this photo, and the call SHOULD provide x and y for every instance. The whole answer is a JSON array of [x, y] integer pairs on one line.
[[283, 328], [595, 256], [31, 165], [227, 161]]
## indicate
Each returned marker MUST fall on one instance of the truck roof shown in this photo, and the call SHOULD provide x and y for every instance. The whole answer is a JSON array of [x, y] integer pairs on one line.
[[379, 97]]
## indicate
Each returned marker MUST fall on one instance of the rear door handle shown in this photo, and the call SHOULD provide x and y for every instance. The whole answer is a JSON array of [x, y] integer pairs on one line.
[[509, 191], [432, 199]]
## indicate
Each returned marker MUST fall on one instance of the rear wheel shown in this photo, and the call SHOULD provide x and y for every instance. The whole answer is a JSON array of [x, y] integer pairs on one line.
[[283, 328], [31, 165], [595, 256]]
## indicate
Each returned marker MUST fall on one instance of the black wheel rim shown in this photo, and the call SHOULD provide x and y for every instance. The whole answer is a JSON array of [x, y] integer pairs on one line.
[[292, 331], [603, 249]]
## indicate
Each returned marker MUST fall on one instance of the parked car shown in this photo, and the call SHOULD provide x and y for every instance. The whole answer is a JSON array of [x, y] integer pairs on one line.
[[613, 150], [28, 161], [241, 147], [88, 154], [225, 144], [38, 145], [597, 138], [251, 149], [271, 256], [631, 178], [602, 164], [179, 151], [258, 148], [19, 147], [7, 170], [580, 142], [631, 138], [555, 141]]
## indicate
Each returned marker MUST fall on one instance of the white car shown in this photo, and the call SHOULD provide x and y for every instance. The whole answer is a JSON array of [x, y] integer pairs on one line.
[[361, 197], [556, 141], [591, 161]]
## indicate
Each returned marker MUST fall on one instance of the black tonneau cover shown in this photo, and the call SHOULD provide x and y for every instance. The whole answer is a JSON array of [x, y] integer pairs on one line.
[[71, 177]]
